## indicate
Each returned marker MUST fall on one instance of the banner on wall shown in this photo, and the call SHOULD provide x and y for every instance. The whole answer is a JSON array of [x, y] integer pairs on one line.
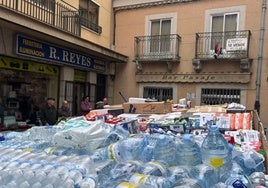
[[41, 50], [25, 65]]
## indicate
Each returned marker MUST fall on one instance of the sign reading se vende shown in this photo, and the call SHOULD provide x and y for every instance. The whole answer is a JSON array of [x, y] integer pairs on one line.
[[236, 44]]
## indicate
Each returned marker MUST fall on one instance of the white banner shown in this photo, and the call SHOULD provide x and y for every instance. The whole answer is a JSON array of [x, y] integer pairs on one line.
[[236, 44]]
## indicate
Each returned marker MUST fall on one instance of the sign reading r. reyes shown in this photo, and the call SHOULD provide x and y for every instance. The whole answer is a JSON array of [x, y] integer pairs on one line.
[[41, 50]]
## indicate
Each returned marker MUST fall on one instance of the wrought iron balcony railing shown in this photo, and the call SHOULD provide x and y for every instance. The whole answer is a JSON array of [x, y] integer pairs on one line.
[[225, 45], [51, 13], [87, 23], [157, 48]]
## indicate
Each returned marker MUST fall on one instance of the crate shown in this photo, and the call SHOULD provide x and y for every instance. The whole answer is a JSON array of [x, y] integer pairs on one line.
[[147, 108], [257, 125]]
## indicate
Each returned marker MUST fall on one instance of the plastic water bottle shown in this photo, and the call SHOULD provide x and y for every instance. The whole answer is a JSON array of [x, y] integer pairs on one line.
[[188, 151], [149, 146], [236, 178], [204, 174], [88, 182], [215, 150], [124, 170], [259, 179], [178, 172], [102, 154], [165, 149], [123, 150], [148, 181], [187, 183], [250, 162], [110, 139], [102, 172], [127, 149], [75, 175], [156, 168]]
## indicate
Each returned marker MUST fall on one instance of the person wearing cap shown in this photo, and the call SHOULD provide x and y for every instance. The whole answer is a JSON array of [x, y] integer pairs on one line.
[[49, 113]]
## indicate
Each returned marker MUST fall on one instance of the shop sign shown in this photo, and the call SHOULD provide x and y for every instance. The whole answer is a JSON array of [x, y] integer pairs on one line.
[[41, 50], [195, 78], [236, 44], [25, 65], [79, 76]]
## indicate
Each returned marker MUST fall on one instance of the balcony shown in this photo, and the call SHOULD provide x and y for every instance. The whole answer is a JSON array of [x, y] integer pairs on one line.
[[157, 49], [52, 13], [223, 46]]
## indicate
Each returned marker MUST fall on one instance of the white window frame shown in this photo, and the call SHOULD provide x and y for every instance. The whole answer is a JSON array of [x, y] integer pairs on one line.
[[220, 11], [225, 14]]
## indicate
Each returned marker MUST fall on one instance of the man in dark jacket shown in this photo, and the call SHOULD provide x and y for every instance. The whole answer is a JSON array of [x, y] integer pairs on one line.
[[64, 111], [49, 113]]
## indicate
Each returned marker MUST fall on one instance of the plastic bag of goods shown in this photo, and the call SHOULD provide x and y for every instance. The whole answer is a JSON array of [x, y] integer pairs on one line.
[[81, 134]]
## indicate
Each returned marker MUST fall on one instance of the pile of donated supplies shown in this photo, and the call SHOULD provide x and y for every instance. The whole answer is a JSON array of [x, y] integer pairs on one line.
[[78, 153]]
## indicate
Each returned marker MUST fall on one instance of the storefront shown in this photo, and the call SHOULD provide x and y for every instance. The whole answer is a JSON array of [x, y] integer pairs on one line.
[[34, 70], [24, 84]]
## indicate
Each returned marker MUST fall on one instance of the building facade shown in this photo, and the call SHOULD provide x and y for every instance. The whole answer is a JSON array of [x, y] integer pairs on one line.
[[207, 51], [60, 49]]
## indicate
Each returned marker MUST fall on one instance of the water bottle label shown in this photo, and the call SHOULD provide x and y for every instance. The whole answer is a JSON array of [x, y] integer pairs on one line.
[[158, 165], [138, 179], [111, 150], [126, 185], [239, 184], [216, 162]]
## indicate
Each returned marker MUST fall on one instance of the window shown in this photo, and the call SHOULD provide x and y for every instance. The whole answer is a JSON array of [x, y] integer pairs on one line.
[[160, 31], [220, 26], [89, 12], [160, 94], [213, 96], [48, 4]]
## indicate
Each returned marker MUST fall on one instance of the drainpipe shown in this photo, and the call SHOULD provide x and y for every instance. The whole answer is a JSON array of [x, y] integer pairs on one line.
[[259, 65]]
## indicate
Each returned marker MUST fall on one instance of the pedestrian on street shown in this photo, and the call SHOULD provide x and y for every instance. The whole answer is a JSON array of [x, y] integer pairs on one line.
[[85, 106], [64, 111], [49, 112]]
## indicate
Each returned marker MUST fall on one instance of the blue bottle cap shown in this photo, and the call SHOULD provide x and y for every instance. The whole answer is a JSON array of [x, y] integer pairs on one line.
[[214, 128]]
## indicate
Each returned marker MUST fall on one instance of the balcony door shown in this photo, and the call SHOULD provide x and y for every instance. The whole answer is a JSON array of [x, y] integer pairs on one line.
[[222, 27], [160, 43]]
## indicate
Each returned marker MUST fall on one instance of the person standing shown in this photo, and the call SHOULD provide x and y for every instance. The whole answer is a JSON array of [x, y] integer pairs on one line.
[[85, 106], [48, 114], [64, 111]]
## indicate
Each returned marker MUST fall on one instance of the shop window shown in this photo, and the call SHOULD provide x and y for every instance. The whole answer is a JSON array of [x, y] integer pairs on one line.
[[213, 96], [160, 94]]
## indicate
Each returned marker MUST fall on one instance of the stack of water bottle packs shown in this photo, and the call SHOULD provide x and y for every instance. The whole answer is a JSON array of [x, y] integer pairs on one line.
[[84, 154]]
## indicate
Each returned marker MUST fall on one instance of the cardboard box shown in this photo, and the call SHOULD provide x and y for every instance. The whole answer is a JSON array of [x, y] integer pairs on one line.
[[209, 109], [147, 108]]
